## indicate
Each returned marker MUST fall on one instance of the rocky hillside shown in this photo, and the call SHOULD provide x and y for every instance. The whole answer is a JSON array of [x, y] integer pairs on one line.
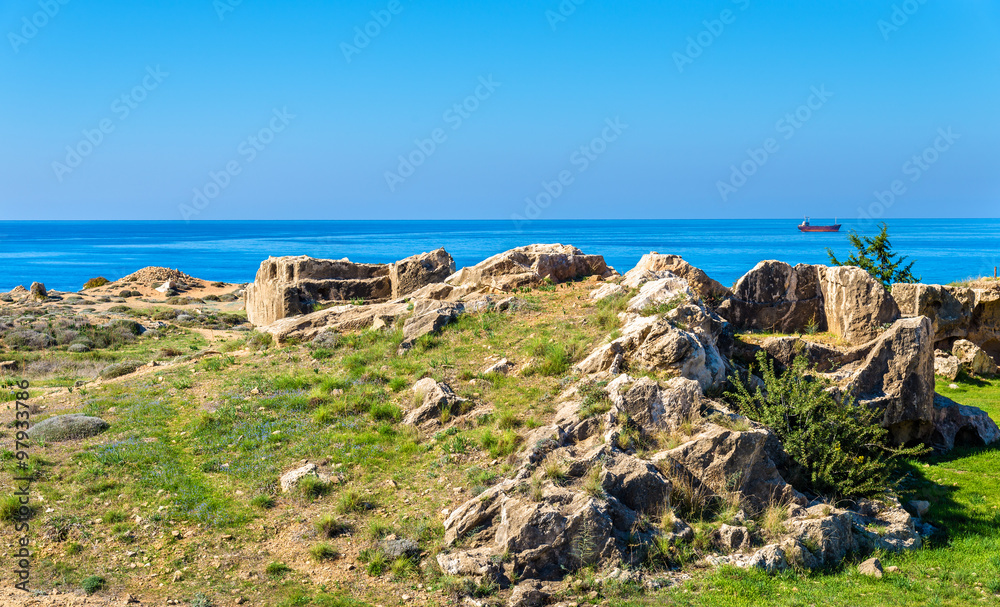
[[535, 429]]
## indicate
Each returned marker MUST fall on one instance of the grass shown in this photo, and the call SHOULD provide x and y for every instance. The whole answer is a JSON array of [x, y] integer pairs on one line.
[[323, 552]]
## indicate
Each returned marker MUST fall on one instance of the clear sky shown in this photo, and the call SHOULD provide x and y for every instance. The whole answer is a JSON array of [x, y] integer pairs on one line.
[[124, 109]]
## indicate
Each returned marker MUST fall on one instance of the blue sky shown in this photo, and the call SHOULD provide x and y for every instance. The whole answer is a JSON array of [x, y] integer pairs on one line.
[[286, 112]]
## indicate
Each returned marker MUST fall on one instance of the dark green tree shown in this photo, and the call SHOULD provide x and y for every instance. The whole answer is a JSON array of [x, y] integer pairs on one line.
[[874, 255]]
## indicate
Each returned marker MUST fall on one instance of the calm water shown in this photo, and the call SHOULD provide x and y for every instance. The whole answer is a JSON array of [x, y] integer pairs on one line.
[[65, 254]]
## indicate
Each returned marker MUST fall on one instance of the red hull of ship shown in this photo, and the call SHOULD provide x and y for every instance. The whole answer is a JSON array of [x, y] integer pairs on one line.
[[833, 228]]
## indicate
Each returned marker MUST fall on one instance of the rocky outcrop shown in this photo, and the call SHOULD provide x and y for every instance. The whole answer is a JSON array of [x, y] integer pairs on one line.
[[856, 307], [971, 313], [437, 402], [38, 292], [972, 358], [529, 266], [591, 513], [958, 425], [338, 318], [730, 461], [428, 316], [823, 535], [896, 375], [289, 286], [775, 296], [681, 338], [654, 266], [412, 273]]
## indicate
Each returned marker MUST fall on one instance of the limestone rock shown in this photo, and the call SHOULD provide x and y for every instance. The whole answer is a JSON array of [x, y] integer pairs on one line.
[[732, 538], [636, 483], [829, 530], [394, 547], [718, 457], [478, 563], [306, 327], [971, 313], [428, 317], [530, 265], [653, 265], [961, 425], [920, 507], [897, 376], [974, 359], [786, 349], [770, 558], [289, 286], [607, 290], [38, 292], [412, 273], [668, 289], [528, 594], [946, 365], [657, 343], [654, 407], [437, 400], [855, 305], [67, 427], [290, 480], [501, 367], [845, 300], [775, 296], [872, 568]]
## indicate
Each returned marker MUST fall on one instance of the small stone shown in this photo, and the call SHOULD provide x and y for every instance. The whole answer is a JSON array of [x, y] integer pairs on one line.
[[872, 567], [920, 507], [891, 569]]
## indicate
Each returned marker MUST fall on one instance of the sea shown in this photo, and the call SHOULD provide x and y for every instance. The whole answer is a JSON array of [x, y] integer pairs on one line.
[[65, 254]]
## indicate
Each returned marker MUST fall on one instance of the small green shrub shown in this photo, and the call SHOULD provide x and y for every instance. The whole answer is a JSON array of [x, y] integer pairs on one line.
[[276, 569], [351, 501], [595, 400], [841, 448], [313, 487], [323, 552], [93, 283], [93, 583], [263, 501], [329, 525]]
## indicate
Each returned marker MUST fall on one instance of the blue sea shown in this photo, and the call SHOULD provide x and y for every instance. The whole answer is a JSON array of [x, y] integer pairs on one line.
[[65, 254]]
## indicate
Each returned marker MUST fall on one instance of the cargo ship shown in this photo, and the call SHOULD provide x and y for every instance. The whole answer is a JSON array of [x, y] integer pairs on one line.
[[805, 226]]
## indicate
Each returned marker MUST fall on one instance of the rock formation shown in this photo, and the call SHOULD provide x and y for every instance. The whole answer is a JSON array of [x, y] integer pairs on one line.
[[971, 313], [775, 296], [290, 286]]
